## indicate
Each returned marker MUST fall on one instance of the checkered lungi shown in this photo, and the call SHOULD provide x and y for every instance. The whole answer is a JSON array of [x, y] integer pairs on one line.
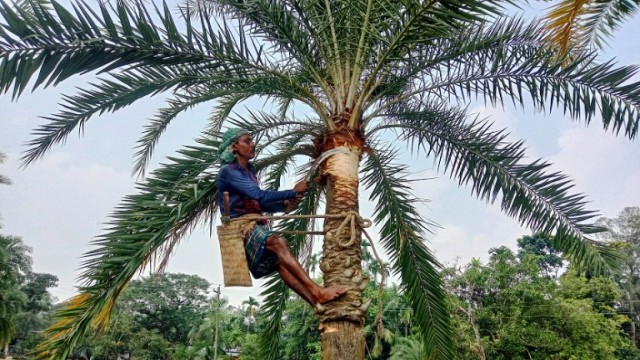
[[262, 261]]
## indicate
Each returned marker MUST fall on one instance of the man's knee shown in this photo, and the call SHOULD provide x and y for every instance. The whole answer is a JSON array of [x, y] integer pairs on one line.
[[277, 243]]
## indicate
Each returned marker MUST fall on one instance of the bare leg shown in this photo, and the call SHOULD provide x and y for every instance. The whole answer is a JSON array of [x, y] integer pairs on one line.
[[295, 285], [319, 295]]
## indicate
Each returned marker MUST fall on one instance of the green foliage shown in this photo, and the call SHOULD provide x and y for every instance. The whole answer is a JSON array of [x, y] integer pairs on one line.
[[15, 264], [300, 334], [171, 304], [512, 309], [624, 233], [150, 345]]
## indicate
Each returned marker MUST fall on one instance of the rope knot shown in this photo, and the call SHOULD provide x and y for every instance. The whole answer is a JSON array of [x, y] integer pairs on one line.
[[351, 218]]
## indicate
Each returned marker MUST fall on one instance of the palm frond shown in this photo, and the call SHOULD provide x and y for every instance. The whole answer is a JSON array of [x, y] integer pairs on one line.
[[519, 72], [561, 21], [144, 225], [56, 44], [402, 234], [479, 156], [273, 128], [602, 18], [577, 25], [417, 25], [109, 95], [180, 102], [285, 27]]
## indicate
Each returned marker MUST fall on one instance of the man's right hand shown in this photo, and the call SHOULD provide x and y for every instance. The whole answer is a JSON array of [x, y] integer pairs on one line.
[[301, 187]]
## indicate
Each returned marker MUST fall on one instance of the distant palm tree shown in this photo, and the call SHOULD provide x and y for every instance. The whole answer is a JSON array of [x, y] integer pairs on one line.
[[408, 349], [372, 76], [251, 305], [580, 24]]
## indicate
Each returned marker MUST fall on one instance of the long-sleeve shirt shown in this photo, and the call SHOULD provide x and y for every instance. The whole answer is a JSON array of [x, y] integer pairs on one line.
[[245, 195]]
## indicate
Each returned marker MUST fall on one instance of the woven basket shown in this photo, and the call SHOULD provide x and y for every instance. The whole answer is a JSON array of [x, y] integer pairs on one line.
[[234, 261]]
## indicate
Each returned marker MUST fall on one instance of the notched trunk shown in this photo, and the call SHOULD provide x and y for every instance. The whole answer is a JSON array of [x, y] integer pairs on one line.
[[342, 320]]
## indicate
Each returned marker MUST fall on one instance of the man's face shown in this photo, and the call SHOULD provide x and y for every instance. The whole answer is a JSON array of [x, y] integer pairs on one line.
[[245, 147]]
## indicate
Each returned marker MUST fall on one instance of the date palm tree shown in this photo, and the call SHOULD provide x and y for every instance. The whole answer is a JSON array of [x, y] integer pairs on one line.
[[373, 78]]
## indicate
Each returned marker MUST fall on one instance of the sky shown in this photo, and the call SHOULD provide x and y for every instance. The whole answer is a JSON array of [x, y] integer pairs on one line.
[[58, 204]]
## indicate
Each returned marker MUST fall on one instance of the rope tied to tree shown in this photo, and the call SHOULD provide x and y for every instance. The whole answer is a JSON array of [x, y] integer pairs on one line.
[[352, 218]]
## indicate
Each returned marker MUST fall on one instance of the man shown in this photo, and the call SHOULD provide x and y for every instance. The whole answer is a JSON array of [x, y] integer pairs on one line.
[[266, 252]]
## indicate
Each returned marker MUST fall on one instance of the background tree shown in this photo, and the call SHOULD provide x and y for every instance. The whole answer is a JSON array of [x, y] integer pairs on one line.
[[624, 231], [365, 71], [170, 303], [511, 309], [541, 246], [36, 313], [15, 264]]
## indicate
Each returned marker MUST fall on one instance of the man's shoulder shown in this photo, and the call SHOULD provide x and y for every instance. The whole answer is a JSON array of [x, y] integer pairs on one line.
[[228, 168]]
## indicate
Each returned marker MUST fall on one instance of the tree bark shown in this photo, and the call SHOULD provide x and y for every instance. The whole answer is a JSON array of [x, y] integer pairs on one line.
[[342, 320]]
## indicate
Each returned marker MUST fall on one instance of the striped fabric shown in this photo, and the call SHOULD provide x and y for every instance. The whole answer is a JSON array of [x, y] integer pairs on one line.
[[262, 261]]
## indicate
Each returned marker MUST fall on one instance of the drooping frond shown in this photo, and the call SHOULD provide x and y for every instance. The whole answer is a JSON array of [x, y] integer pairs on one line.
[[144, 226], [480, 157], [519, 71], [141, 58], [403, 236], [108, 96], [561, 22], [180, 102], [579, 24], [602, 18]]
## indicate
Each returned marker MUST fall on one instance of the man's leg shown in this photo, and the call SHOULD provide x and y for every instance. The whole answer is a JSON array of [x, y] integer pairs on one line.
[[294, 284], [299, 277]]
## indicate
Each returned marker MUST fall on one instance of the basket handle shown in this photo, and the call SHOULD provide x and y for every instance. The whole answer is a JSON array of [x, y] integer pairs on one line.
[[225, 201]]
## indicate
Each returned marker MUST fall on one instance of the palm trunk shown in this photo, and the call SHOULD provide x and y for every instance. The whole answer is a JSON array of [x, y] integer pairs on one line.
[[342, 321]]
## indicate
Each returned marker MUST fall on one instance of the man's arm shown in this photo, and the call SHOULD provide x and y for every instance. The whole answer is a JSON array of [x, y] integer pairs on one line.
[[241, 183]]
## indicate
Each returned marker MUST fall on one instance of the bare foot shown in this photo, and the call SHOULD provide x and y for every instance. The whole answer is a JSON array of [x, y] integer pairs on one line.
[[325, 295]]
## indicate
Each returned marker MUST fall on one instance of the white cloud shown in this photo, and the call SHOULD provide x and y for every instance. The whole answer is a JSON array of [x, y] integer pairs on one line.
[[602, 166]]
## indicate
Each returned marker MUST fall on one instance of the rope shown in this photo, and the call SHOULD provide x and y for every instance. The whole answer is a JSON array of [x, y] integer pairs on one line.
[[351, 218], [383, 281]]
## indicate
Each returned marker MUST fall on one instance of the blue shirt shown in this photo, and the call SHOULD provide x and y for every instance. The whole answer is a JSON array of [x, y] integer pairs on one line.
[[245, 195]]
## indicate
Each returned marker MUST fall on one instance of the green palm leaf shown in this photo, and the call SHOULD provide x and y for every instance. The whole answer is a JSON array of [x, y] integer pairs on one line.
[[479, 156], [508, 60], [402, 234]]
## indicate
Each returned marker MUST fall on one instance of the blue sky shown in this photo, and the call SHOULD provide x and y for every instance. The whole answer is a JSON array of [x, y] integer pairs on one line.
[[58, 204]]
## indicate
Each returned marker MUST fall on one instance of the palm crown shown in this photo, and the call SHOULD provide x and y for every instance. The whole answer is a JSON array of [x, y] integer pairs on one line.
[[363, 69]]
